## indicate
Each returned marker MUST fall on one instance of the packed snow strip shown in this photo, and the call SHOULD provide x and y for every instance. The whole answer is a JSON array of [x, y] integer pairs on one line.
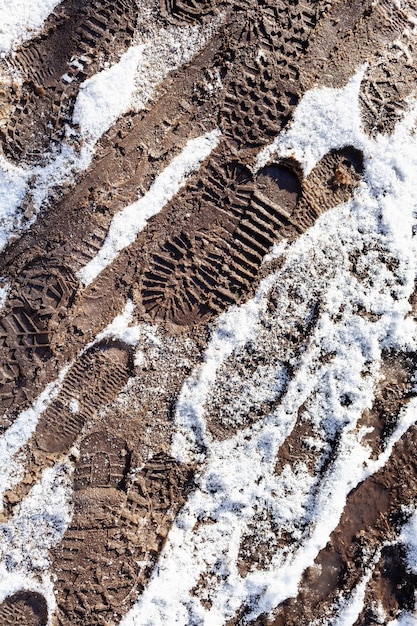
[[102, 99], [4, 292], [21, 19], [129, 222], [107, 95], [13, 188], [409, 538], [238, 478], [405, 619]]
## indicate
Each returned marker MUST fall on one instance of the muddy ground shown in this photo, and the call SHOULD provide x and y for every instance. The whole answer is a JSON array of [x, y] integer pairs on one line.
[[201, 254]]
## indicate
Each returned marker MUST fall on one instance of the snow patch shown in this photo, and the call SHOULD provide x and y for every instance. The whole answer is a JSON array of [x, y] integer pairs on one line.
[[22, 19]]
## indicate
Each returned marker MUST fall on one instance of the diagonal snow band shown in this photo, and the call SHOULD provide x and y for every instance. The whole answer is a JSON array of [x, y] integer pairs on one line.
[[129, 222]]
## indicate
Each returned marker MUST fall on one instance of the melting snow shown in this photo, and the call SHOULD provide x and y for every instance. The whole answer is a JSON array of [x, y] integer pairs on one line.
[[102, 99], [21, 19]]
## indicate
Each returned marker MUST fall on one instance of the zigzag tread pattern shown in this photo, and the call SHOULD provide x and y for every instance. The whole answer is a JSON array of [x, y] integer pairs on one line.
[[187, 267], [189, 11], [261, 95], [93, 381], [382, 99], [362, 27]]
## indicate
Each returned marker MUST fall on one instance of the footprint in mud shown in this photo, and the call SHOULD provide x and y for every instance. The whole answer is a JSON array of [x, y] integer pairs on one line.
[[274, 62], [256, 212], [387, 83], [120, 523], [41, 296], [24, 608], [198, 273], [87, 212], [186, 10], [95, 379], [77, 40]]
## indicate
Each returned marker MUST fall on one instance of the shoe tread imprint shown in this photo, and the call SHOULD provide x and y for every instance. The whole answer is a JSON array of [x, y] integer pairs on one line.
[[92, 382], [387, 83], [202, 269], [40, 297], [76, 40], [351, 34], [24, 608], [120, 524]]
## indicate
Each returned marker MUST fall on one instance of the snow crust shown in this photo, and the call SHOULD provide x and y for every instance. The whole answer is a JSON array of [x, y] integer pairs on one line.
[[102, 99], [131, 83], [409, 538], [237, 475], [21, 19]]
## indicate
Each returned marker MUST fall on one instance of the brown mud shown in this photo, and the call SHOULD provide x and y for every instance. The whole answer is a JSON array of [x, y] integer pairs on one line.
[[371, 520], [25, 608], [120, 523]]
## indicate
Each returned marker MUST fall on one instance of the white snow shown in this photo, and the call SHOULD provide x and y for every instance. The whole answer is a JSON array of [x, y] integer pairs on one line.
[[106, 95], [21, 19], [102, 99], [409, 538], [407, 619], [237, 475]]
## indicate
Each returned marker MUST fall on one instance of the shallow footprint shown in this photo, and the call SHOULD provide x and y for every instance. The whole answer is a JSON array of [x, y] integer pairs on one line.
[[120, 524], [77, 39], [94, 380], [39, 299], [215, 261]]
